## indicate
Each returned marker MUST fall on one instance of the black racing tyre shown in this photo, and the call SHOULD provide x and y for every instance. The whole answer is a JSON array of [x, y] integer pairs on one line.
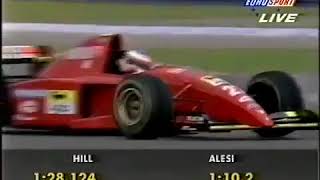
[[143, 107], [275, 91], [4, 104]]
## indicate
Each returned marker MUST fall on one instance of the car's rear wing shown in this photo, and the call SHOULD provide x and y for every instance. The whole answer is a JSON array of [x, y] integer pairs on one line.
[[23, 62]]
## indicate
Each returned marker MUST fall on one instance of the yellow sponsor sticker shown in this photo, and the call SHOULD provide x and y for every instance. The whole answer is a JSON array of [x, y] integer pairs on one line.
[[62, 102]]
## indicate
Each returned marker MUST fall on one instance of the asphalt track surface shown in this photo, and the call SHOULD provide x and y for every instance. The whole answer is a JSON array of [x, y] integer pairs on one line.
[[65, 40], [234, 140]]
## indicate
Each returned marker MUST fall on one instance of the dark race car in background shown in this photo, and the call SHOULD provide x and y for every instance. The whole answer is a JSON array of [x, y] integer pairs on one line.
[[19, 63], [84, 89], [23, 62]]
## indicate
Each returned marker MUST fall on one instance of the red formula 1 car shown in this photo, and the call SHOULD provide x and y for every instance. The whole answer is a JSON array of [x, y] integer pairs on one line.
[[84, 89]]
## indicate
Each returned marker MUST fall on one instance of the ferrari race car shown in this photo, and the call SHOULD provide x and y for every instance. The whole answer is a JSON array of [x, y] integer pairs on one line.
[[85, 89]]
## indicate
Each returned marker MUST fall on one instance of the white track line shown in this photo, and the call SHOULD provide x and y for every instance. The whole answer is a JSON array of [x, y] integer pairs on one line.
[[163, 30]]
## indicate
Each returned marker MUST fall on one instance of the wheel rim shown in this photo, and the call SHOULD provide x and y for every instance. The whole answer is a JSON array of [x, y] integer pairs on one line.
[[130, 106]]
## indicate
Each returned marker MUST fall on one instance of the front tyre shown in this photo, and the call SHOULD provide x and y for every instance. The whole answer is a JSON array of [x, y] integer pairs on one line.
[[143, 107], [275, 91]]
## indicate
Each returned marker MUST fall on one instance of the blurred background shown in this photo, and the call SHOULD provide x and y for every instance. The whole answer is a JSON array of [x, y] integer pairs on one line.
[[153, 12]]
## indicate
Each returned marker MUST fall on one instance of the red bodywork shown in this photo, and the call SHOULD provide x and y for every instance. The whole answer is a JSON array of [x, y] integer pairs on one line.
[[91, 81]]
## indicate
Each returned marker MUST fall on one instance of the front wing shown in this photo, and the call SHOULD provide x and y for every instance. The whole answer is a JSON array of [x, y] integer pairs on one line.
[[303, 120]]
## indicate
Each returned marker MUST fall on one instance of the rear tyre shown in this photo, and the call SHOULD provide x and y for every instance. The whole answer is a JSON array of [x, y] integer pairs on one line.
[[275, 91], [4, 104], [143, 107]]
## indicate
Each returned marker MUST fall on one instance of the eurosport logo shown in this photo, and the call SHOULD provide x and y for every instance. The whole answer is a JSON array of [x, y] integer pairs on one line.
[[277, 17], [270, 3]]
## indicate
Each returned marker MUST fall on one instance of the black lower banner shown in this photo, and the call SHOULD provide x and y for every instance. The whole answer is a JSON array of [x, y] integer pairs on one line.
[[159, 164]]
